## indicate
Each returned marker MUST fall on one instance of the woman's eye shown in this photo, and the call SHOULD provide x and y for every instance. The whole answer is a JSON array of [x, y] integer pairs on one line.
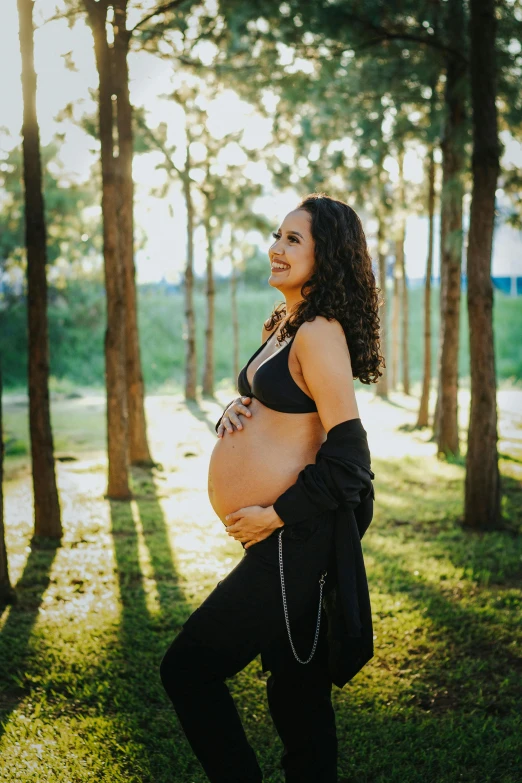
[[276, 236]]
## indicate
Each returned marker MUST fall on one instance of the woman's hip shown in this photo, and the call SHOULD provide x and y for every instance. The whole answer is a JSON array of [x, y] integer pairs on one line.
[[245, 609]]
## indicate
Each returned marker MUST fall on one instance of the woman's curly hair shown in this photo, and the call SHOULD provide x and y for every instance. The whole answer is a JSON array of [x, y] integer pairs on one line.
[[342, 285]]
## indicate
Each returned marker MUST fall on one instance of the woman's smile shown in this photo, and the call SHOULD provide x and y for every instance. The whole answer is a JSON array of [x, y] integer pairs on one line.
[[279, 266]]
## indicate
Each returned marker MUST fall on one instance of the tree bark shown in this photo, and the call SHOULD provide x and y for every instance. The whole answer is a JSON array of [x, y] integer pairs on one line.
[[423, 417], [382, 387], [235, 315], [405, 323], [117, 433], [395, 337], [139, 453], [482, 486], [7, 594], [208, 372], [451, 232], [190, 319], [46, 501], [403, 292]]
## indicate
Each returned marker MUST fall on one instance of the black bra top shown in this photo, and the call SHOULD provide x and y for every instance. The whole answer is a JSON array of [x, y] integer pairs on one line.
[[273, 384]]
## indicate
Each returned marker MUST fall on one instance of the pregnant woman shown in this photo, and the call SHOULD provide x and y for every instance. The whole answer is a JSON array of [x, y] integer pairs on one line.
[[290, 477]]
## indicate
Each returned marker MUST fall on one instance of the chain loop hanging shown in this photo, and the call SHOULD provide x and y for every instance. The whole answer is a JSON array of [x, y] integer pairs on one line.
[[285, 608]]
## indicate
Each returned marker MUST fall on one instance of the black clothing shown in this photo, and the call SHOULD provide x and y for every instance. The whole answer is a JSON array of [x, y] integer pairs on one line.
[[325, 513], [273, 384], [340, 480], [242, 617]]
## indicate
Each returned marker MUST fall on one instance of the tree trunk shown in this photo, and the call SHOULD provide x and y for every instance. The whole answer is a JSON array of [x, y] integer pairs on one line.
[[482, 485], [190, 319], [139, 453], [395, 338], [382, 383], [46, 502], [405, 322], [402, 277], [208, 373], [423, 417], [7, 594], [117, 433], [451, 231], [235, 317]]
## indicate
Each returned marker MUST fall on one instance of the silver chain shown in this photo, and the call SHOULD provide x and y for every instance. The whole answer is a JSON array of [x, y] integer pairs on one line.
[[321, 583]]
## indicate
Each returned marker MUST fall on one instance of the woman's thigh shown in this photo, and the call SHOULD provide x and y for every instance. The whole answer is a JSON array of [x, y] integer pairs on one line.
[[244, 613]]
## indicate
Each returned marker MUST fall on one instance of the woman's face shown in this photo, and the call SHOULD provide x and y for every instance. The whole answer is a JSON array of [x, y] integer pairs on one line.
[[293, 247]]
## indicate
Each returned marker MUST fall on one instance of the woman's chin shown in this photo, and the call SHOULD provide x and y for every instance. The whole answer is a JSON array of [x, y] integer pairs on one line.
[[274, 282]]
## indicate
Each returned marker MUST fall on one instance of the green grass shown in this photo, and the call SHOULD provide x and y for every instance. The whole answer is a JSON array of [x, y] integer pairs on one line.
[[80, 695]]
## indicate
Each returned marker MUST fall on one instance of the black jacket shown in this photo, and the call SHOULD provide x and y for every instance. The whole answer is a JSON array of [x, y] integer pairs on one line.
[[341, 481]]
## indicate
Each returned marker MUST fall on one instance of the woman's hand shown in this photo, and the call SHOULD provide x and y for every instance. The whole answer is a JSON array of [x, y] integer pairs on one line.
[[252, 524], [231, 416]]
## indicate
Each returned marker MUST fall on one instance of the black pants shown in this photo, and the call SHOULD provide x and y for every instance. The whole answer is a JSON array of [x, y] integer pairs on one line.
[[241, 618]]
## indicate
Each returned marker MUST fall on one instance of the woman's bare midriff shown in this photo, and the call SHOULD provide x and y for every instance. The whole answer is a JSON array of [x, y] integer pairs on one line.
[[253, 466]]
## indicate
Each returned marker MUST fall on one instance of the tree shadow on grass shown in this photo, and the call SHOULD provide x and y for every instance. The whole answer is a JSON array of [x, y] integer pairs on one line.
[[197, 411], [174, 759], [153, 608], [441, 699], [414, 510], [474, 663], [15, 635]]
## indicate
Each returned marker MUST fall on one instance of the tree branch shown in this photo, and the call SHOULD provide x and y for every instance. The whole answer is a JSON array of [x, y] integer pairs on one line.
[[162, 9], [160, 146]]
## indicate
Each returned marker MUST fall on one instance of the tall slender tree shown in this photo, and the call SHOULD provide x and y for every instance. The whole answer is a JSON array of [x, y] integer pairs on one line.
[[117, 420], [210, 295], [46, 502], [395, 323], [190, 313], [400, 256], [482, 485], [157, 138], [453, 167], [139, 453], [7, 594], [423, 416], [383, 384], [234, 311]]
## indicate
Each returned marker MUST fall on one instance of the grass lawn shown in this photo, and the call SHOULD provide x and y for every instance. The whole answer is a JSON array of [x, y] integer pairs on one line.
[[80, 694]]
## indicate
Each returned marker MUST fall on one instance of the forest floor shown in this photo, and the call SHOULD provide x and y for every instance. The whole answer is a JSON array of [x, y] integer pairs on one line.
[[80, 694]]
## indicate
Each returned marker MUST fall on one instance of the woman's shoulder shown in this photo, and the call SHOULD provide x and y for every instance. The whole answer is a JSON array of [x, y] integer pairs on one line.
[[321, 338], [265, 334], [321, 328]]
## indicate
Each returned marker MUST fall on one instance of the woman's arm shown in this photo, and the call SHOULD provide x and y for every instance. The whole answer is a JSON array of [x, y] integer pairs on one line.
[[342, 472], [326, 367]]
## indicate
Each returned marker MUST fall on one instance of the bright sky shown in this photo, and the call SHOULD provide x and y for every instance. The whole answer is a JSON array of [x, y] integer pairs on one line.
[[162, 220]]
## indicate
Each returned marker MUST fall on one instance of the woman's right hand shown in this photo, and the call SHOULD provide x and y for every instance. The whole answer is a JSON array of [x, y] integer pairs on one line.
[[231, 418]]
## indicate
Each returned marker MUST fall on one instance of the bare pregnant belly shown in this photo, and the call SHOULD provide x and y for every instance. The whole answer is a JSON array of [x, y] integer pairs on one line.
[[253, 466]]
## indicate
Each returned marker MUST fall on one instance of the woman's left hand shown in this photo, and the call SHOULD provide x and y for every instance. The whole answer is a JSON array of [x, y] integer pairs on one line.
[[252, 524]]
